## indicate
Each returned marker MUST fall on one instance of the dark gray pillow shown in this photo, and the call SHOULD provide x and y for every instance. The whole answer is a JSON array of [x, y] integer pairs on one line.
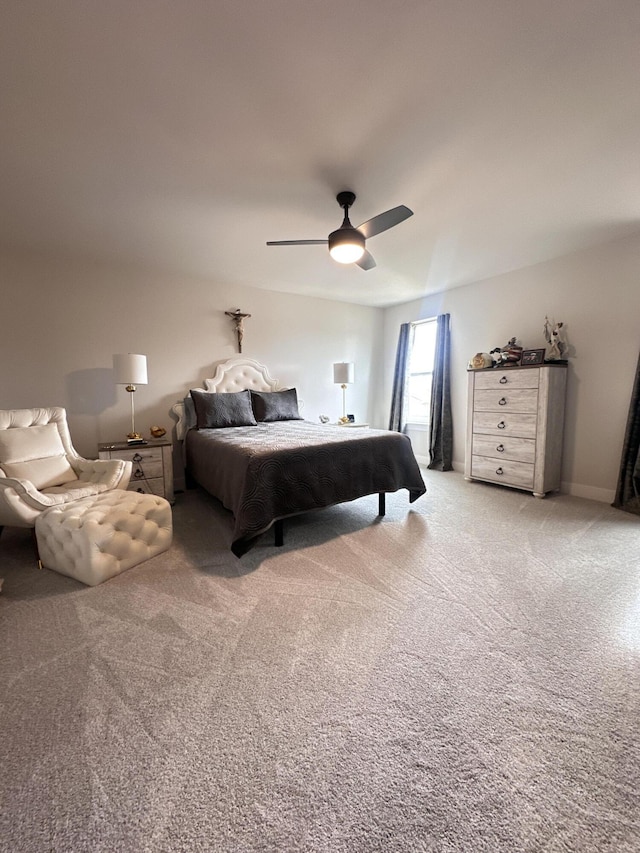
[[214, 411], [275, 405]]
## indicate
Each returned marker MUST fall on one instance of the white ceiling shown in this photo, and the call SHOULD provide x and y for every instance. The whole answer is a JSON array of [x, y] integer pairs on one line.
[[186, 134]]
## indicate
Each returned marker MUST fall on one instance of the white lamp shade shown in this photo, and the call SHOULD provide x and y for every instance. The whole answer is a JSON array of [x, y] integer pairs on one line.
[[343, 373], [130, 369]]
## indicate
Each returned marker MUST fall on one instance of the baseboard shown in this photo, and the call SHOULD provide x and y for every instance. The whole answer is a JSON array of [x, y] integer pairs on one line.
[[578, 490], [592, 493]]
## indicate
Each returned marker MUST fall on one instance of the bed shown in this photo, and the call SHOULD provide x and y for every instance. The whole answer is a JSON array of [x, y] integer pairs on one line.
[[266, 463]]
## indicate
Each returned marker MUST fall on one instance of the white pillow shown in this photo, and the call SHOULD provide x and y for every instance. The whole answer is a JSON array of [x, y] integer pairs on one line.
[[36, 454]]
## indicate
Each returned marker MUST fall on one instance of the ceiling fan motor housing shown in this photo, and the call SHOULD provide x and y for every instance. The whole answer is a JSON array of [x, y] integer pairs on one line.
[[346, 235]]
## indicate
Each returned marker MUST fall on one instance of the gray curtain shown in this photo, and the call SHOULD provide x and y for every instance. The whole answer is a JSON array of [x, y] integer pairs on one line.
[[628, 491], [397, 417], [441, 437]]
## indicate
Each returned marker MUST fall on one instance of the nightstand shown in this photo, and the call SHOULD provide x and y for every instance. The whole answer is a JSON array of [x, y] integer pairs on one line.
[[354, 425], [152, 465]]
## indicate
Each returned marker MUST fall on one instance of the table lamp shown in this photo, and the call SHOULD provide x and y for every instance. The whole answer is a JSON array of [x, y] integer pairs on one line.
[[343, 376], [131, 369]]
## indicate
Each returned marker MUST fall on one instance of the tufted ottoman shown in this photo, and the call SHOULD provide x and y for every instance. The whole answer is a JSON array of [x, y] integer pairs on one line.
[[95, 538]]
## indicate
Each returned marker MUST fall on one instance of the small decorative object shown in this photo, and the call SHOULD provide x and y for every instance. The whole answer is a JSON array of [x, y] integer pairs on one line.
[[513, 352], [481, 360], [157, 431], [238, 320], [554, 336], [324, 419], [532, 356], [508, 355], [351, 419]]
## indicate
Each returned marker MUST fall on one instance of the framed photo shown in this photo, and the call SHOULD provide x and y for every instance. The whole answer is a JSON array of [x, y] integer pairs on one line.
[[532, 356]]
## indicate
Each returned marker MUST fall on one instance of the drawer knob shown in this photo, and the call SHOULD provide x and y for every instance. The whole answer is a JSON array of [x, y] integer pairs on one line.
[[138, 474], [499, 472], [502, 425], [502, 401], [137, 457], [503, 380], [500, 448]]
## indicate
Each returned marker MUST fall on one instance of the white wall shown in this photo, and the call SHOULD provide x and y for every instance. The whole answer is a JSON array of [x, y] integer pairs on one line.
[[597, 294], [62, 321]]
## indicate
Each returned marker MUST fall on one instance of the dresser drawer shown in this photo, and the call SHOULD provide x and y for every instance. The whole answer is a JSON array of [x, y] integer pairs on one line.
[[512, 400], [519, 474], [503, 447], [507, 379], [505, 424]]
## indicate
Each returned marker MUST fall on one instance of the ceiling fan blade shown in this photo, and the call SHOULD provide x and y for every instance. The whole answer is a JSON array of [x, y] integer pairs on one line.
[[297, 242], [366, 262], [384, 221]]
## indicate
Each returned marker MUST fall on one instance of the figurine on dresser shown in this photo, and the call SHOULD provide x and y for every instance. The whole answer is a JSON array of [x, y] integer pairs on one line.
[[554, 336]]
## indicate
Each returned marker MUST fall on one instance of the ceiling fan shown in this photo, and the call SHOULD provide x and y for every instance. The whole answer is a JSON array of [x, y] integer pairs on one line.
[[347, 244]]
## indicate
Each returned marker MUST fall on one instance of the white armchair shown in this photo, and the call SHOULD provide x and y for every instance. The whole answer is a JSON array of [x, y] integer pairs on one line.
[[40, 468]]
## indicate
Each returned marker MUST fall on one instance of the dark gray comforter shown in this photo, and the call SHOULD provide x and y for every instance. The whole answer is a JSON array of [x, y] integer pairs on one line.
[[274, 470]]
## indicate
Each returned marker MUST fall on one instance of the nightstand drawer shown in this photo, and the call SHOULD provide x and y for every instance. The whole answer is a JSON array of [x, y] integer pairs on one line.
[[144, 468], [504, 447], [519, 474], [147, 487], [143, 455]]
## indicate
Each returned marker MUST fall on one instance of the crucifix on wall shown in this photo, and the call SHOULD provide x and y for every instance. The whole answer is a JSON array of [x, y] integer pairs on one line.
[[238, 320]]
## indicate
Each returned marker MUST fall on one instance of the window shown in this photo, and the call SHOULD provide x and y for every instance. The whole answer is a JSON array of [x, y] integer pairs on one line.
[[422, 348]]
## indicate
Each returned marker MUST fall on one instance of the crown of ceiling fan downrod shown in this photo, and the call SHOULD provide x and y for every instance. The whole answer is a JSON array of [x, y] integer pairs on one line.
[[345, 199]]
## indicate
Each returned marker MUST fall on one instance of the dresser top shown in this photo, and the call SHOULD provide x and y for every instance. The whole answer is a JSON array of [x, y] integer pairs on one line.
[[498, 367]]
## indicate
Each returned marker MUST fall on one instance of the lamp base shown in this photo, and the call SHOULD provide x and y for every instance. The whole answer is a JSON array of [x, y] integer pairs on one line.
[[136, 438]]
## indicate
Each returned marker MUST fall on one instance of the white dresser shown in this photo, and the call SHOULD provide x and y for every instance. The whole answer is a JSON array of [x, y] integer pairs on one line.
[[515, 422]]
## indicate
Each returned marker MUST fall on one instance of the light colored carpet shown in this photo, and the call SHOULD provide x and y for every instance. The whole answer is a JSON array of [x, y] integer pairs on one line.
[[462, 675]]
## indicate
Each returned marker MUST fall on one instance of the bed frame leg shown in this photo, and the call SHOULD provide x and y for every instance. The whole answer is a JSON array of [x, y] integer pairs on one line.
[[278, 530], [381, 504]]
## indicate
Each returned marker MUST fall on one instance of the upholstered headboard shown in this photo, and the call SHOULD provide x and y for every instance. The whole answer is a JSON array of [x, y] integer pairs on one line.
[[235, 374]]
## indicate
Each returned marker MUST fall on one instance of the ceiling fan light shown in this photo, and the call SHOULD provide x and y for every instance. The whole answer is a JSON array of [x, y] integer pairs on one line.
[[346, 245]]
